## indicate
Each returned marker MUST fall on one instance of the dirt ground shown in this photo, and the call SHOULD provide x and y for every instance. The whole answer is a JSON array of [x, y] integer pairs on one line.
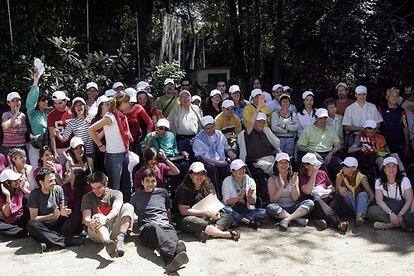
[[268, 251]]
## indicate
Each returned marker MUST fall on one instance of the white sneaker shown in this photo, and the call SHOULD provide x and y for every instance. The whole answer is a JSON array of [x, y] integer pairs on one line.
[[302, 221], [284, 223]]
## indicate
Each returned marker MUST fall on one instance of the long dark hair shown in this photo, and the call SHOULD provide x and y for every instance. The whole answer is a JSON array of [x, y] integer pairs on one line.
[[80, 181], [148, 155], [13, 192], [42, 152], [84, 158], [206, 187], [276, 171], [384, 180], [147, 106]]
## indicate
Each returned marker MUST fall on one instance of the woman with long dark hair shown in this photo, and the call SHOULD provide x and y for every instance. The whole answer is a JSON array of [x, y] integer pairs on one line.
[[307, 116], [76, 156], [47, 159], [196, 186]]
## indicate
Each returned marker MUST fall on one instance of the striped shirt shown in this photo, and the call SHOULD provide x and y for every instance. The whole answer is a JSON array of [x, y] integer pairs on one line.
[[14, 136], [79, 127]]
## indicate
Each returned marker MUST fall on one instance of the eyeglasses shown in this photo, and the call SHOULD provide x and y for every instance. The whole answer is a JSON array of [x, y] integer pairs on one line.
[[163, 128]]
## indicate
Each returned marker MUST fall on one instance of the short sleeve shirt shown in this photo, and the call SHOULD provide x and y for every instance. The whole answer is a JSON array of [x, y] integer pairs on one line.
[[101, 205], [46, 203], [59, 120], [161, 172], [392, 189]]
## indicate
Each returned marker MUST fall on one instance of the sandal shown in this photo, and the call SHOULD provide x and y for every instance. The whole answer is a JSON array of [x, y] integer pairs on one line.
[[235, 235]]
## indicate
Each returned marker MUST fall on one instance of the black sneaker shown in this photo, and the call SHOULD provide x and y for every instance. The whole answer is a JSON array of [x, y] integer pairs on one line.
[[254, 224], [110, 247], [179, 260], [202, 236]]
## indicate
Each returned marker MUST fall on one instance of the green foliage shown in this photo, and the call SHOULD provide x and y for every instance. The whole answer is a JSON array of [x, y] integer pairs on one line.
[[158, 73]]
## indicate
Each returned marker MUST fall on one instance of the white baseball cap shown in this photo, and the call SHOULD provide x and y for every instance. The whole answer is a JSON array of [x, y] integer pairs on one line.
[[360, 89], [350, 162], [91, 84], [307, 93], [132, 93], [168, 81], [234, 88], [261, 116], [197, 167], [184, 92], [282, 156], [195, 98], [75, 141], [117, 84], [227, 104], [286, 88], [110, 92], [277, 86], [102, 99], [341, 84], [237, 164], [284, 96], [370, 124], [142, 85], [256, 92], [78, 99], [321, 112], [59, 96], [207, 120], [163, 123], [13, 95], [390, 160], [9, 174], [215, 92], [310, 158]]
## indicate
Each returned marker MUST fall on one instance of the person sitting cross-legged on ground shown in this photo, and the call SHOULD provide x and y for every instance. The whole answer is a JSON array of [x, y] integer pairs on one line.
[[284, 194], [153, 207], [51, 222], [195, 187], [13, 210], [315, 184], [106, 215], [239, 196], [393, 195]]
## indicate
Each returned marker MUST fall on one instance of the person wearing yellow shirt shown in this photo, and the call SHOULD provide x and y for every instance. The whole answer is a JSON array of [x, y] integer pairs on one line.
[[249, 110], [229, 123]]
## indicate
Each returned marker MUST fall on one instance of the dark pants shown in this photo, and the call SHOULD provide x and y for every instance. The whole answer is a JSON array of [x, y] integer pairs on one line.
[[55, 232], [322, 210], [184, 143], [160, 236], [176, 180], [217, 175], [17, 228], [332, 168], [99, 161]]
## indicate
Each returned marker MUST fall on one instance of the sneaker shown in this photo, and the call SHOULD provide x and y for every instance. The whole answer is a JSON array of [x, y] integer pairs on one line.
[[302, 221], [202, 236], [380, 226], [111, 248], [359, 220], [120, 248], [321, 224], [343, 226], [284, 224], [180, 247], [179, 260]]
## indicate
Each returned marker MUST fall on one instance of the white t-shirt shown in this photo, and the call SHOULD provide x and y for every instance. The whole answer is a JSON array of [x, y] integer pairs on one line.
[[305, 120], [113, 137], [356, 115], [393, 191], [228, 191]]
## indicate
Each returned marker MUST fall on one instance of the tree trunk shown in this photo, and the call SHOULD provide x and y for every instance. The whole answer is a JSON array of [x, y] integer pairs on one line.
[[277, 52], [144, 10], [257, 39]]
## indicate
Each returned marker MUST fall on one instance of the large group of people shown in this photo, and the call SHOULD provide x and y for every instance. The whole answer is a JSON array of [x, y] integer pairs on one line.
[[109, 162]]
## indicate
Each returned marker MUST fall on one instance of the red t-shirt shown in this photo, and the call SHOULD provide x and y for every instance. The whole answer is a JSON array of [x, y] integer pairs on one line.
[[162, 170], [321, 179], [135, 116], [59, 120], [341, 106]]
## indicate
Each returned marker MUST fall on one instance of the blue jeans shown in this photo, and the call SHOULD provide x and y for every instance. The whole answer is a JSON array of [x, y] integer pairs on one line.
[[274, 210], [256, 214], [287, 145], [360, 204], [116, 165]]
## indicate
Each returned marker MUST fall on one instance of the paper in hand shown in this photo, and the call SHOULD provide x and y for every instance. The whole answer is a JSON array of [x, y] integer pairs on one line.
[[39, 66], [209, 203]]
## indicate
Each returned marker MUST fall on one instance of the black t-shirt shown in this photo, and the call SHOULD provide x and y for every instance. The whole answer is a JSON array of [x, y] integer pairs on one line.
[[257, 145], [151, 207], [187, 196], [46, 203]]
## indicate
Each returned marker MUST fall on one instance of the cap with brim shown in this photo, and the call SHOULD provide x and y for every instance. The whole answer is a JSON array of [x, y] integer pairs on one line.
[[310, 158], [132, 93], [321, 112], [91, 84], [78, 99], [206, 120], [102, 99], [282, 156], [307, 93], [234, 88], [9, 174], [163, 123], [184, 92], [370, 124], [75, 141], [256, 92], [117, 84], [286, 88], [237, 164], [227, 104], [360, 89], [284, 96], [277, 86], [13, 95], [197, 167], [261, 117], [110, 93], [59, 96], [350, 162], [343, 84], [168, 81], [390, 160], [195, 98], [215, 92], [142, 85]]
